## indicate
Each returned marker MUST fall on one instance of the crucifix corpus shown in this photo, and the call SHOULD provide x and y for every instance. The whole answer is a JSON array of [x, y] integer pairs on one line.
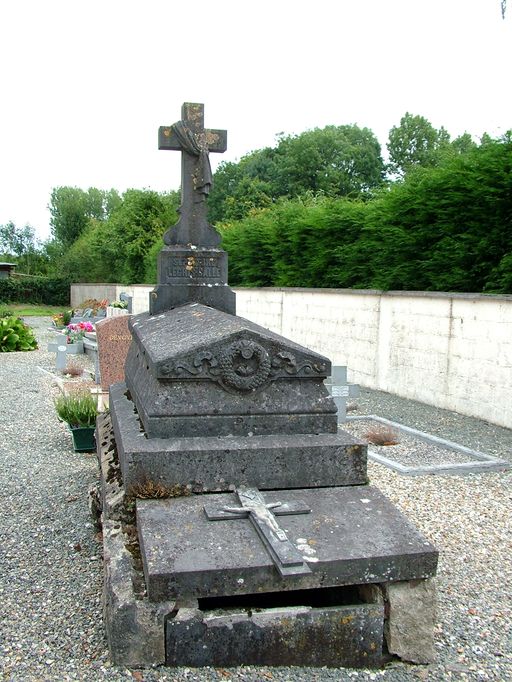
[[283, 552], [195, 143]]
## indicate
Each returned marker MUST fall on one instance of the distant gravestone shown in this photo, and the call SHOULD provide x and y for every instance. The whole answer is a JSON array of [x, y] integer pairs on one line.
[[113, 338], [341, 391]]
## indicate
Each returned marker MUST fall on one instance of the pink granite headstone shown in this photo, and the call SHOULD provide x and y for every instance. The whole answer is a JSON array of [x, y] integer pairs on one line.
[[114, 339]]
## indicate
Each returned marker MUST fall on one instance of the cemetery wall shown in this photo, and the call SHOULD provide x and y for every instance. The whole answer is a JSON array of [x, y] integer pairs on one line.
[[449, 350]]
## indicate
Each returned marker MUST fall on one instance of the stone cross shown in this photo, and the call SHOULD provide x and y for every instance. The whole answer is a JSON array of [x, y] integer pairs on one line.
[[195, 143], [341, 390], [283, 552]]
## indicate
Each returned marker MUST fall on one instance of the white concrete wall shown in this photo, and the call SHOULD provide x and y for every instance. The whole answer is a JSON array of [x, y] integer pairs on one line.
[[83, 292], [449, 350]]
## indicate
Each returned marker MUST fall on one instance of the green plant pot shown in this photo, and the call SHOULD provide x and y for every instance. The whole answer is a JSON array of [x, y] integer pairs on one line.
[[83, 438]]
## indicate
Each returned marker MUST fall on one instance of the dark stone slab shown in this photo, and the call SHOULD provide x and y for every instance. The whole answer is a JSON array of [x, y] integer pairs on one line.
[[195, 365], [352, 536], [334, 636], [216, 464]]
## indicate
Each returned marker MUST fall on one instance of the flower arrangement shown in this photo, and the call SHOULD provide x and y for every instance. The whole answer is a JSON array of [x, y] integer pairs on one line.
[[76, 332], [62, 319], [119, 304]]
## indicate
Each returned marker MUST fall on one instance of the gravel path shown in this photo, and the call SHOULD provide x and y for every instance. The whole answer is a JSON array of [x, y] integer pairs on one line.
[[50, 557]]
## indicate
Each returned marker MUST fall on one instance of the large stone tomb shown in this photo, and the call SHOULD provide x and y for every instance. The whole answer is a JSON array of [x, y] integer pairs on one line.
[[288, 556], [276, 551]]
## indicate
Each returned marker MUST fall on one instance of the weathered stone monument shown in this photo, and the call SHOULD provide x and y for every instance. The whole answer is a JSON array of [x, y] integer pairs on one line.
[[266, 545], [191, 267]]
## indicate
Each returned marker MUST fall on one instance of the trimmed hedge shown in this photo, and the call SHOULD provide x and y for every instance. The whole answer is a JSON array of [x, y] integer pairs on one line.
[[49, 291]]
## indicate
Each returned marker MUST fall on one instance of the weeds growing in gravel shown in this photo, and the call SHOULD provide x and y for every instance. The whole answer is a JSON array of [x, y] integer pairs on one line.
[[73, 371], [382, 435], [149, 490]]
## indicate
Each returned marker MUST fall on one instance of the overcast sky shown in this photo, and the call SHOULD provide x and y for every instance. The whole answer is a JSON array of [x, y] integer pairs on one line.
[[85, 84]]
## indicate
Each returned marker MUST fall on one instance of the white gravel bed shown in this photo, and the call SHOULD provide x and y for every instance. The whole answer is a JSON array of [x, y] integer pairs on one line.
[[408, 450], [50, 556]]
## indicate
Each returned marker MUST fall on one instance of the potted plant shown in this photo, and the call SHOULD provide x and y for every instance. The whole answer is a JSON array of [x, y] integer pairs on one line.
[[61, 320], [15, 335], [117, 308], [79, 411], [75, 333]]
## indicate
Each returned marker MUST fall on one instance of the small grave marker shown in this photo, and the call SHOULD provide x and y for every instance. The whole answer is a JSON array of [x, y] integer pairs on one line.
[[341, 391], [126, 298]]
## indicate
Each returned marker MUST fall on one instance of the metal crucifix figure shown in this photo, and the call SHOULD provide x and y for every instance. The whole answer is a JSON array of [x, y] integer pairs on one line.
[[283, 552], [195, 143]]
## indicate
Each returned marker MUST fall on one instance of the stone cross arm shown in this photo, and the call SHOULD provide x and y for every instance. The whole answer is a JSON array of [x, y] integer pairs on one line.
[[192, 117], [216, 140]]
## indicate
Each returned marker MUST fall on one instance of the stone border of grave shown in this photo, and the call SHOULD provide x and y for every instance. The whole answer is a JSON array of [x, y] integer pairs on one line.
[[482, 464]]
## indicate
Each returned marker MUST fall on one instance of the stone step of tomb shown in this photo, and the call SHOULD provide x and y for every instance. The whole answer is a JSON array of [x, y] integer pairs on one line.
[[215, 464]]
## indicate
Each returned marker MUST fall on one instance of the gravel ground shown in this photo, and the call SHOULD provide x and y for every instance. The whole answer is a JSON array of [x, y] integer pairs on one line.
[[50, 557], [402, 447]]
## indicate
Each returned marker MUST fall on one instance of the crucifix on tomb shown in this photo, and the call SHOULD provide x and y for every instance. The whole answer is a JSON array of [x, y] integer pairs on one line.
[[195, 143], [283, 552], [192, 268]]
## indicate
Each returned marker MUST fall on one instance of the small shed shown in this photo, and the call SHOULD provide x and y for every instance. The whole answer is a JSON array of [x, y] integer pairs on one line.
[[6, 270]]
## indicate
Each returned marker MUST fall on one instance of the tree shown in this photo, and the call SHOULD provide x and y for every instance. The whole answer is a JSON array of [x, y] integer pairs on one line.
[[116, 249], [415, 142], [463, 144], [21, 243], [16, 240], [241, 187], [71, 208], [332, 161], [335, 160], [441, 228]]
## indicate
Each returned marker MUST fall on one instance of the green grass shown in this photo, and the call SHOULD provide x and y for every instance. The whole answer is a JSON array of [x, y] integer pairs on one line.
[[33, 310]]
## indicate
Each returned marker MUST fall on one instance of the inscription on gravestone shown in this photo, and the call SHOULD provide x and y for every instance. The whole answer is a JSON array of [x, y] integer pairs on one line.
[[190, 267]]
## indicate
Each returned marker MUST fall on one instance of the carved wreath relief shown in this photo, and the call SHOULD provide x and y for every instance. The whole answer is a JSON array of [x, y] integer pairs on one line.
[[243, 366]]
